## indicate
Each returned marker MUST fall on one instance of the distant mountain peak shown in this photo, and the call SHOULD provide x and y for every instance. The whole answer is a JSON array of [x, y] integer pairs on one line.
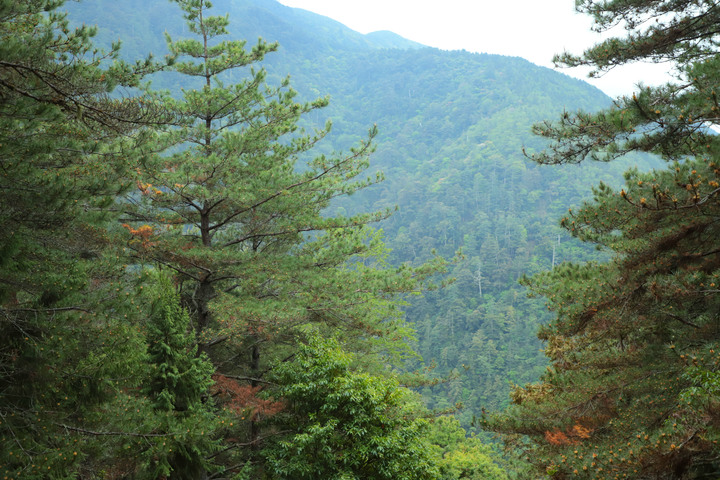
[[293, 22], [388, 39]]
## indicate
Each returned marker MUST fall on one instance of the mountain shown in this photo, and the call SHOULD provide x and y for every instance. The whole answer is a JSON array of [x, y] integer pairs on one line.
[[453, 127], [388, 39], [141, 26]]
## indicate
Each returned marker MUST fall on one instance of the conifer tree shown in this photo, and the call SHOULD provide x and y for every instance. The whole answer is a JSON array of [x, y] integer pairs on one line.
[[632, 389], [65, 345], [228, 206], [178, 387], [233, 204]]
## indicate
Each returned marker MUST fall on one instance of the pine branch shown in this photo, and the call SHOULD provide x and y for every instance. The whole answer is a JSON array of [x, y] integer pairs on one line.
[[115, 434]]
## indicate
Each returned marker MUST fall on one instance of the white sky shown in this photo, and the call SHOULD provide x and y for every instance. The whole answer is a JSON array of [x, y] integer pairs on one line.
[[532, 29]]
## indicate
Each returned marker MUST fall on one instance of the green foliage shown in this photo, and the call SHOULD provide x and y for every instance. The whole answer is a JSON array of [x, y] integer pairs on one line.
[[179, 388], [451, 128], [65, 346], [634, 339], [346, 424], [61, 135], [630, 392], [462, 456], [182, 377], [238, 204], [678, 30], [235, 206], [228, 208], [657, 119]]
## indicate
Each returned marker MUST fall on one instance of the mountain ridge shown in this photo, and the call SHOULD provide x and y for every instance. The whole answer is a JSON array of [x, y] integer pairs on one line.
[[453, 125]]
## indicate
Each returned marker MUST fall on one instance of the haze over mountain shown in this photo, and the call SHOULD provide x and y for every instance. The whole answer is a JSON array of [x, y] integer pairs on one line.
[[452, 129]]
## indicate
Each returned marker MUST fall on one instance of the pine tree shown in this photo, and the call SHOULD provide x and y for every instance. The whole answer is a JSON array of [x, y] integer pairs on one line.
[[632, 389], [64, 149], [229, 205], [234, 205]]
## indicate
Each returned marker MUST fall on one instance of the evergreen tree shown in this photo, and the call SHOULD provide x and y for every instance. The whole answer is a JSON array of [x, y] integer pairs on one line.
[[65, 345], [233, 204], [632, 390], [178, 389]]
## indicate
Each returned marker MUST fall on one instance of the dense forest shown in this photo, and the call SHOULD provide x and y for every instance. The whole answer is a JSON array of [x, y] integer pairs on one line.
[[451, 130], [211, 270]]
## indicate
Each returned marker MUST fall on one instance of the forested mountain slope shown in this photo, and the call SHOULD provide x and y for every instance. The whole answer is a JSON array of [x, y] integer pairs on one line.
[[452, 129]]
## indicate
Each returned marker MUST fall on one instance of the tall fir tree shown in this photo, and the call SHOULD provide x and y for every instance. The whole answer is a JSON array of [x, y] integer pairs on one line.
[[632, 389]]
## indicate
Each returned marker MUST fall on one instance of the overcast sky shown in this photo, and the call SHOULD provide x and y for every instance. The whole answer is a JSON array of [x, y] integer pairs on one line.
[[532, 29]]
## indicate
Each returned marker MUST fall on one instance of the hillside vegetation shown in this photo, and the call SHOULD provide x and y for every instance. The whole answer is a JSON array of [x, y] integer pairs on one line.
[[452, 126], [211, 270]]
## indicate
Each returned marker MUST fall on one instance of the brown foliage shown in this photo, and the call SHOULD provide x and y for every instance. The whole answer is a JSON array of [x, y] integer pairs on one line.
[[571, 436], [243, 399]]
